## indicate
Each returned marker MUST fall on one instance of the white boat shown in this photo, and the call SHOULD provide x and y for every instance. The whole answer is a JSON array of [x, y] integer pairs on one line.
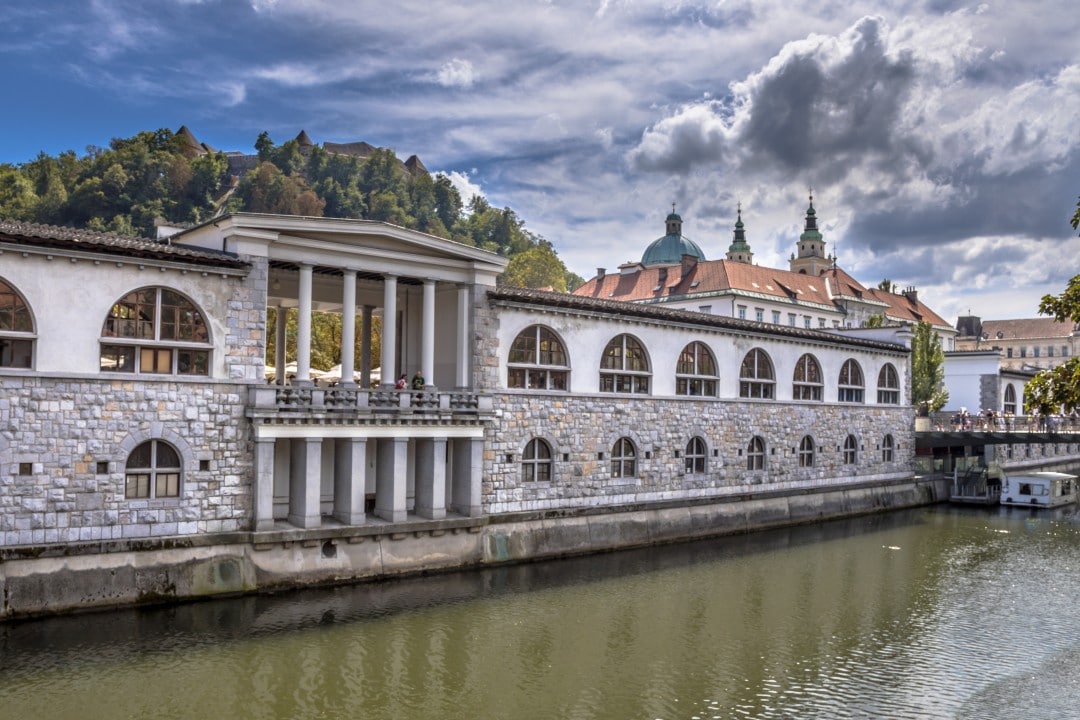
[[1038, 489]]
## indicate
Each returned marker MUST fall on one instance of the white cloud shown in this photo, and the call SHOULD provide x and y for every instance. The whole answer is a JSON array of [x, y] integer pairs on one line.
[[456, 72], [465, 186]]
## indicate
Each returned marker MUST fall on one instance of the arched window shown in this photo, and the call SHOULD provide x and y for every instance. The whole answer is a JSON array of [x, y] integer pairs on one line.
[[155, 330], [624, 368], [1010, 399], [806, 451], [536, 462], [755, 454], [851, 450], [888, 386], [623, 459], [16, 329], [696, 371], [537, 360], [756, 378], [887, 446], [851, 384], [807, 382], [696, 454], [153, 471]]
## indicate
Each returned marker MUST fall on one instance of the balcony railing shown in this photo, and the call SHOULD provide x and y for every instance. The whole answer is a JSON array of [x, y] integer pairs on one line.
[[958, 422], [312, 399]]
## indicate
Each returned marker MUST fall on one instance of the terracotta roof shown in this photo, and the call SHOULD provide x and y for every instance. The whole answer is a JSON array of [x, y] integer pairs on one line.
[[660, 313], [24, 233], [1028, 329], [902, 307], [360, 148]]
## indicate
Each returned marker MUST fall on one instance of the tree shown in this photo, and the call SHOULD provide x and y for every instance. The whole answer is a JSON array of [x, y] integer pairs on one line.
[[876, 320], [887, 285], [928, 392], [537, 267], [1058, 388]]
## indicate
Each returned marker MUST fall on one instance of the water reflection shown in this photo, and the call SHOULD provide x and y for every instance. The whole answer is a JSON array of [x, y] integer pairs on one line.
[[929, 613]]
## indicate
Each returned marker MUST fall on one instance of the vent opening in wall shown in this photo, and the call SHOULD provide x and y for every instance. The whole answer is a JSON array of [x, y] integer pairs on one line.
[[103, 467], [204, 465], [26, 469], [676, 453], [599, 456], [566, 457], [509, 457], [648, 454], [329, 549], [716, 452]]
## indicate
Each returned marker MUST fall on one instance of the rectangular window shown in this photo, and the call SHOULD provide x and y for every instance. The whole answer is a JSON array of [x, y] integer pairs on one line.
[[1049, 351], [1064, 351], [1008, 352], [1036, 350], [821, 322], [791, 319], [742, 312], [759, 314], [1023, 352], [776, 317], [155, 360], [117, 358], [707, 309], [806, 321]]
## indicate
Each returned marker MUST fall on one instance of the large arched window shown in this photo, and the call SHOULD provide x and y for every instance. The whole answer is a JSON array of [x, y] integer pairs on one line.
[[536, 462], [16, 329], [850, 386], [153, 471], [806, 451], [888, 386], [696, 455], [624, 367], [696, 371], [756, 377], [755, 454], [537, 360], [623, 459], [807, 383], [1010, 399], [155, 330], [887, 447], [851, 450]]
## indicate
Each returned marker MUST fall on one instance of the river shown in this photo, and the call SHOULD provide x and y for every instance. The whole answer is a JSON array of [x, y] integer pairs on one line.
[[932, 613]]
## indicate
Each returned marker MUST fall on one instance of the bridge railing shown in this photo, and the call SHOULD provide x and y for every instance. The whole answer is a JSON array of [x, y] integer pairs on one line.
[[960, 422]]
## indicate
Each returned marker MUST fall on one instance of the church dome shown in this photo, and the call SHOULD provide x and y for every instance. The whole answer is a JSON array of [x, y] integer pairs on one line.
[[669, 249]]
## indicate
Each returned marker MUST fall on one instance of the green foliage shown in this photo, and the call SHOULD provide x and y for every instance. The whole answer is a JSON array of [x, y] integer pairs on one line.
[[325, 338], [887, 285], [875, 321], [928, 392], [1058, 388], [537, 267]]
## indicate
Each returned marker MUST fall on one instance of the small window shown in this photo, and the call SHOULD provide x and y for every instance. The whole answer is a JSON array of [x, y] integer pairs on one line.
[[624, 367], [742, 312], [888, 386], [755, 454], [850, 385], [695, 374], [1023, 352], [756, 378], [26, 469], [851, 447], [536, 462], [806, 451], [791, 319], [696, 454], [705, 309], [776, 317], [153, 471], [1010, 400], [807, 383], [887, 447], [806, 320], [623, 459], [16, 329], [103, 467], [759, 314], [537, 360], [1049, 351], [1036, 350], [1008, 352]]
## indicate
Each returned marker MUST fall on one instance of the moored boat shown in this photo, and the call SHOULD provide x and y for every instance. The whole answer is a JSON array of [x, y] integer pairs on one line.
[[1039, 489]]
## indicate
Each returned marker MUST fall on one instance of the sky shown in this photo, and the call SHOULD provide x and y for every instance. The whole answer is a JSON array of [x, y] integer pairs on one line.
[[941, 140]]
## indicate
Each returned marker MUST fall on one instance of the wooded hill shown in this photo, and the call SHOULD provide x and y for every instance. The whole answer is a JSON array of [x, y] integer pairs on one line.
[[161, 176]]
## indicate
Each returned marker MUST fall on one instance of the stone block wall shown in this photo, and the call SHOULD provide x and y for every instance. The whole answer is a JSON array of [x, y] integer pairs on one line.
[[64, 445], [579, 428]]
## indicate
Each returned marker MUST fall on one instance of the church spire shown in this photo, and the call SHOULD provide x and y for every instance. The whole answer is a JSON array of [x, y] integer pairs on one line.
[[739, 250], [810, 259]]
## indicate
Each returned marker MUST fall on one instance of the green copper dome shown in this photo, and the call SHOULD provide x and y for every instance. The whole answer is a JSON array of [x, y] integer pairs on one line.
[[668, 250]]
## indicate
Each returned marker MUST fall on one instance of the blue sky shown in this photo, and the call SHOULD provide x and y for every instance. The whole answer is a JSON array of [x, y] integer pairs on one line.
[[941, 138]]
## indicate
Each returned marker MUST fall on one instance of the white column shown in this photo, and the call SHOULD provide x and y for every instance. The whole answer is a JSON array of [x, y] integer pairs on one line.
[[264, 484], [464, 346], [350, 480], [427, 330], [348, 326], [305, 482], [279, 347], [389, 330], [431, 478], [391, 476], [365, 349], [303, 328], [468, 475]]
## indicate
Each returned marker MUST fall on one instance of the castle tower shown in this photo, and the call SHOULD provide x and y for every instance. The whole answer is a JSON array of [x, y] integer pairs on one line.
[[739, 250], [810, 259]]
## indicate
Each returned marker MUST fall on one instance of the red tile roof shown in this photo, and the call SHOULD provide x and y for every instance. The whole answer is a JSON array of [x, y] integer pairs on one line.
[[1027, 328]]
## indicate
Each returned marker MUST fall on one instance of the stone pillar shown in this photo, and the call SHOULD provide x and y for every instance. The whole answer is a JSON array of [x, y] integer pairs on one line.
[[279, 345], [264, 484], [350, 480], [431, 478], [464, 345], [305, 479], [303, 328], [348, 327], [427, 329], [391, 475], [365, 349], [468, 471], [389, 330]]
